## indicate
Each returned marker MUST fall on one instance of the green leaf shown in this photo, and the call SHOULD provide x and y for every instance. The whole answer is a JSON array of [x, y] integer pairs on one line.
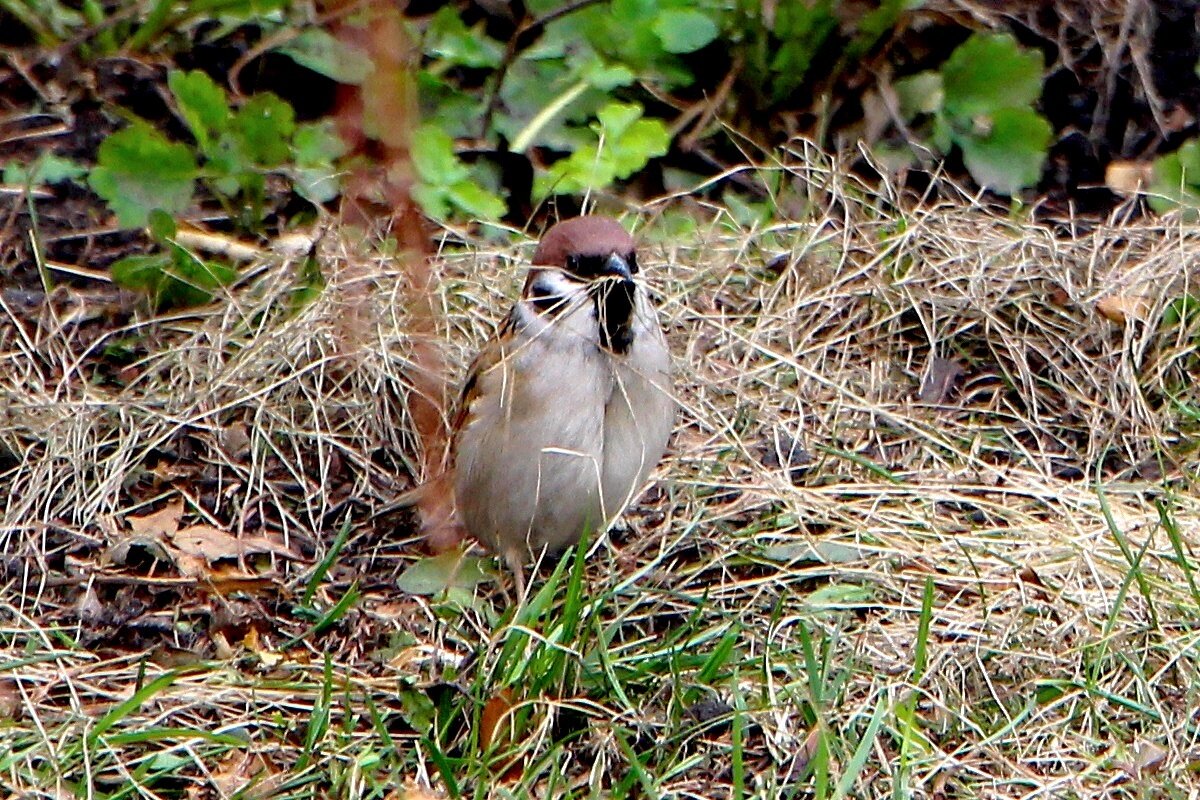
[[189, 280], [643, 140], [139, 170], [317, 144], [436, 574], [1011, 156], [416, 707], [317, 184], [684, 30], [615, 118], [434, 157], [48, 168], [432, 200], [989, 72], [203, 104], [162, 225], [475, 201], [450, 39], [446, 106], [625, 142], [1183, 309], [263, 127], [327, 55], [921, 93], [140, 273], [601, 74], [1176, 179]]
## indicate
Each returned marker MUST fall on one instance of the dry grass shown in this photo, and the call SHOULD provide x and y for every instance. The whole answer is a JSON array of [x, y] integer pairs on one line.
[[843, 584]]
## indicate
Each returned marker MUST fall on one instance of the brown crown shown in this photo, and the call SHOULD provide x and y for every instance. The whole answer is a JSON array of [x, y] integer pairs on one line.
[[582, 236]]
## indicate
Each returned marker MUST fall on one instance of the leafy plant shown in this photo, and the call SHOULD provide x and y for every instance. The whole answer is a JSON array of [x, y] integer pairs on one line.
[[1175, 181], [444, 182], [49, 168], [981, 101], [140, 170], [147, 178], [624, 142], [94, 28], [555, 96]]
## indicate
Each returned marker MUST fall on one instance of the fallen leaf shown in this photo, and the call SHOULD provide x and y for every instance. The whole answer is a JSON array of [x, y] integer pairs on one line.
[[163, 522], [1029, 576], [818, 552], [496, 733], [804, 755], [246, 774], [1128, 177], [939, 381], [147, 532], [213, 544], [1147, 760], [496, 713], [452, 569], [1119, 308], [10, 699], [414, 791]]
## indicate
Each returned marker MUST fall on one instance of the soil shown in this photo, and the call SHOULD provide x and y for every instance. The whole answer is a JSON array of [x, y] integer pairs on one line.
[[1104, 104]]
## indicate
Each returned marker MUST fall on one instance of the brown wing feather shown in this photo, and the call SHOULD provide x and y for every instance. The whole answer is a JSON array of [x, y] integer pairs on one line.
[[486, 359]]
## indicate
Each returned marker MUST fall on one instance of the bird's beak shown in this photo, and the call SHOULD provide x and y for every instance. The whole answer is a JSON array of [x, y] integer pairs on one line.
[[617, 267]]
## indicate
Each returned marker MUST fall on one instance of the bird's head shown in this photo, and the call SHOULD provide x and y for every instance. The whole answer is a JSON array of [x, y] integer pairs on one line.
[[591, 254]]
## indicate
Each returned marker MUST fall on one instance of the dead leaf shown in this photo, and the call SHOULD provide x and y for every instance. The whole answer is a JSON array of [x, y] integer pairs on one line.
[[246, 774], [148, 533], [10, 699], [1148, 759], [1128, 177], [1059, 297], [496, 713], [1029, 576], [939, 380], [1119, 308], [414, 791], [163, 522], [213, 544], [89, 607], [235, 441], [496, 733], [804, 755]]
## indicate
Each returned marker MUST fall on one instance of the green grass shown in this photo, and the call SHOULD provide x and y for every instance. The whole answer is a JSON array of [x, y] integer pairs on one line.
[[988, 596]]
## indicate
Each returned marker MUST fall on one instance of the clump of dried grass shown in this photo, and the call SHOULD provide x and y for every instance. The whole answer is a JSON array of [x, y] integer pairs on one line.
[[901, 429]]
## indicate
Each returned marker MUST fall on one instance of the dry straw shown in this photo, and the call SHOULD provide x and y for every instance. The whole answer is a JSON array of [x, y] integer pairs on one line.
[[879, 400]]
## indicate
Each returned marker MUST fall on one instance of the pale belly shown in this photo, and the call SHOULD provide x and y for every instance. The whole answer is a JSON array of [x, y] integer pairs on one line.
[[548, 458]]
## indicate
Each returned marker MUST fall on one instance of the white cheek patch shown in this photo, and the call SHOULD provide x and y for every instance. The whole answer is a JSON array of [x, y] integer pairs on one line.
[[553, 290]]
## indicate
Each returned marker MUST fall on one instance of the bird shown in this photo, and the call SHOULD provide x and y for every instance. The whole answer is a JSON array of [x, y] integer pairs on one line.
[[568, 408]]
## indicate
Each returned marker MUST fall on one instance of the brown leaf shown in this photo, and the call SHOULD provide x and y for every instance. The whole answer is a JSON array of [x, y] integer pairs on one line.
[[246, 774], [494, 723], [213, 544], [163, 522], [414, 791], [1128, 177], [495, 731], [10, 699], [939, 380], [804, 754], [1121, 307], [1030, 577], [1147, 760]]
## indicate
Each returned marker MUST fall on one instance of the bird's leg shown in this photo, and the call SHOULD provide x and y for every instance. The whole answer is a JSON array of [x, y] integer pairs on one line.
[[515, 562]]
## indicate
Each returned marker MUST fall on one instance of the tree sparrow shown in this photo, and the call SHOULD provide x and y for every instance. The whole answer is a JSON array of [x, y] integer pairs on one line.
[[567, 409]]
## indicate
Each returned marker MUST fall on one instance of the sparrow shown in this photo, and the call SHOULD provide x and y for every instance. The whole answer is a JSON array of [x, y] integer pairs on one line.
[[567, 409]]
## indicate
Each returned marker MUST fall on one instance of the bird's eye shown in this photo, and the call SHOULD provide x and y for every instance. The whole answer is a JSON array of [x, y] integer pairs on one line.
[[631, 260], [573, 263]]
